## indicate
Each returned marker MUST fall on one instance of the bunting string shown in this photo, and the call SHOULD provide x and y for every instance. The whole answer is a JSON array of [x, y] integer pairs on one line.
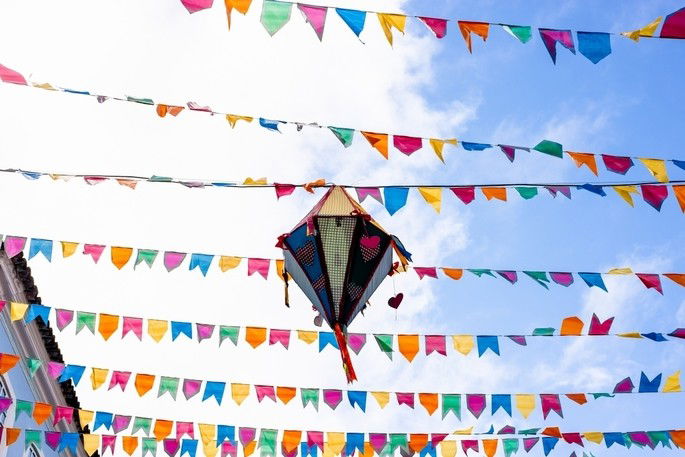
[[475, 403], [121, 256], [408, 344], [407, 145]]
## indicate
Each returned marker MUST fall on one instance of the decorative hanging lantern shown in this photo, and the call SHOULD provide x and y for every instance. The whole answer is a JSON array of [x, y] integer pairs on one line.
[[338, 255]]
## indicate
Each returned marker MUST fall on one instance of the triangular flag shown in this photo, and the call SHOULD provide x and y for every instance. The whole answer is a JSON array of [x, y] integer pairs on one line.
[[353, 18], [436, 25], [390, 21], [551, 37], [315, 16], [432, 195], [378, 141], [523, 33], [275, 15], [479, 28], [625, 191], [656, 167], [646, 31], [438, 144], [581, 159]]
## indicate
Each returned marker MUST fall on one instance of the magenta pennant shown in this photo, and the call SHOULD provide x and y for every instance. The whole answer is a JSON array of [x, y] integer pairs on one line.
[[598, 327], [279, 336], [134, 325], [265, 392], [315, 439], [651, 281], [315, 16], [356, 341], [550, 402], [14, 245], [563, 190], [7, 75], [518, 339], [436, 343], [378, 441], [173, 259], [52, 439], [405, 398], [469, 445], [120, 423], [617, 164], [193, 6], [229, 448], [552, 36], [119, 378], [283, 190], [573, 438], [108, 442], [55, 369], [171, 446], [430, 272], [654, 195], [465, 194], [624, 387], [508, 151], [529, 443], [5, 403], [191, 387], [407, 144], [94, 180], [204, 331], [63, 413], [246, 435], [561, 278], [475, 403], [64, 318], [94, 251], [373, 192], [332, 397], [510, 276], [436, 25], [260, 266], [437, 438]]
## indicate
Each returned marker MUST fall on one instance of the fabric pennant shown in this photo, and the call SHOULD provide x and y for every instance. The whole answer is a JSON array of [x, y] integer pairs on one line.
[[523, 33], [646, 31], [435, 25], [478, 28], [395, 198], [275, 15], [353, 18], [593, 280], [674, 25], [551, 37], [654, 195], [593, 45], [316, 17], [391, 21]]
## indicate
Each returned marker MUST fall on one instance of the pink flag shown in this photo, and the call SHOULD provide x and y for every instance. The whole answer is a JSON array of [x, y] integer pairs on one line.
[[431, 272], [279, 336], [246, 435], [265, 391], [510, 276], [197, 107], [5, 403], [467, 445], [193, 6], [598, 327], [191, 387], [563, 190], [436, 343], [332, 397], [229, 448], [550, 402], [476, 404], [185, 428], [437, 438], [173, 259], [52, 439], [356, 341], [573, 438], [8, 75], [315, 16], [63, 412], [132, 324], [378, 441], [465, 194], [315, 438], [120, 423], [171, 446], [407, 144], [55, 369], [93, 250], [405, 399], [260, 266], [518, 339], [617, 164], [374, 192], [437, 26], [14, 245], [508, 151], [624, 386], [204, 331], [651, 281], [551, 37], [108, 442], [283, 190], [654, 195], [93, 180], [119, 378], [561, 278], [64, 318]]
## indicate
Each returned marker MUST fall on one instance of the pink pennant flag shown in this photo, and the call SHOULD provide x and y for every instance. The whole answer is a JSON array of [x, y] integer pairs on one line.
[[598, 327], [315, 16], [193, 6], [573, 438], [467, 445], [283, 190], [431, 272], [197, 107], [265, 391], [119, 378], [171, 446], [551, 37], [437, 26], [654, 195], [315, 439], [436, 343], [108, 442], [5, 403], [52, 439], [624, 386], [407, 144], [260, 266], [229, 448], [246, 435], [550, 402], [465, 194], [518, 339], [55, 369], [279, 336], [356, 341], [7, 75], [64, 318], [617, 164], [373, 192], [93, 250], [132, 324], [510, 276], [120, 423], [204, 331], [94, 180], [406, 398], [476, 404], [185, 428], [63, 413], [378, 441], [563, 190], [191, 387], [332, 397], [508, 151], [651, 281], [437, 438], [14, 245], [561, 278], [173, 259]]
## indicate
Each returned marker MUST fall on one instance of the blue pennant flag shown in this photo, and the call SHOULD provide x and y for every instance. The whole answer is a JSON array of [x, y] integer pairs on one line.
[[395, 198], [201, 261], [269, 124], [357, 397], [614, 438], [649, 386], [326, 338], [355, 441], [189, 447], [594, 45], [225, 432], [35, 311], [501, 401], [68, 441], [599, 190], [487, 342], [214, 389], [181, 328], [40, 246], [103, 419], [73, 372], [474, 146], [593, 279], [353, 18], [548, 443]]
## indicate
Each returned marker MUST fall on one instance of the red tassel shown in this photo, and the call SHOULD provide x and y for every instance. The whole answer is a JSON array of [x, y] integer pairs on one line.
[[345, 354]]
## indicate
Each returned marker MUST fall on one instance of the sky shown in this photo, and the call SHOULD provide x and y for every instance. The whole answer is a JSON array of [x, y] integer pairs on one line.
[[505, 92]]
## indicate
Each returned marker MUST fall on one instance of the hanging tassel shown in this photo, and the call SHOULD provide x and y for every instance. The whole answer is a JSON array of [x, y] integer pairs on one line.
[[345, 354], [285, 291]]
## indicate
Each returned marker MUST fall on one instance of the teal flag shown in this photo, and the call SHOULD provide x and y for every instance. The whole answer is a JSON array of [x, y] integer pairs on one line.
[[385, 343], [310, 396], [523, 33], [84, 320], [167, 384], [141, 423], [344, 135], [527, 192], [275, 15], [267, 443], [550, 147], [228, 332], [146, 255], [451, 403]]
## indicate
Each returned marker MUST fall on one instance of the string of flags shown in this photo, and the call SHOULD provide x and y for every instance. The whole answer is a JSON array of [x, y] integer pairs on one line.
[[121, 256], [381, 142], [408, 344], [292, 443], [475, 404]]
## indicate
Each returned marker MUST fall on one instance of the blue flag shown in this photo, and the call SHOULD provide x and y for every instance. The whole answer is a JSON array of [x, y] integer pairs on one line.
[[395, 198], [353, 18], [593, 279], [357, 397], [181, 328], [593, 45], [201, 261], [214, 389], [487, 342]]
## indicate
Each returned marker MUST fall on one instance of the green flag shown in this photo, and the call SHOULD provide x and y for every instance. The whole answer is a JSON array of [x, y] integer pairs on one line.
[[141, 423], [527, 192], [543, 331], [267, 443], [398, 440], [275, 15], [310, 396], [522, 32], [33, 365], [481, 271], [84, 319], [344, 135], [385, 344], [539, 277], [32, 437], [149, 445], [451, 402], [146, 255], [167, 384], [23, 406], [230, 333], [511, 446], [550, 147], [144, 101]]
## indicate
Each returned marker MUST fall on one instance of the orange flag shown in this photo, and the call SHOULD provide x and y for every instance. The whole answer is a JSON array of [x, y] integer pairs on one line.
[[581, 158], [490, 447], [144, 383], [408, 345], [285, 394], [454, 273], [678, 437], [162, 429], [11, 435], [291, 439], [108, 325], [679, 192], [578, 398], [7, 362], [130, 444], [162, 110], [417, 441], [41, 411], [500, 193], [121, 256], [240, 5], [678, 278], [571, 326], [255, 335], [429, 401], [249, 448], [479, 28], [379, 141]]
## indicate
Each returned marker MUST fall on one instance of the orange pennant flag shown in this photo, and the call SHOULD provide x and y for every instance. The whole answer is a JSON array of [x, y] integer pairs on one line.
[[162, 429], [678, 437], [479, 28], [678, 278], [500, 193], [379, 141], [417, 441], [249, 448], [7, 362], [429, 401], [408, 345], [108, 325], [98, 376], [130, 183], [490, 447], [581, 399], [130, 444], [285, 394], [454, 273], [162, 110], [41, 411], [255, 335], [144, 383], [571, 326], [310, 186], [121, 256], [679, 192], [174, 110], [240, 5], [581, 158], [368, 450], [291, 439], [11, 435]]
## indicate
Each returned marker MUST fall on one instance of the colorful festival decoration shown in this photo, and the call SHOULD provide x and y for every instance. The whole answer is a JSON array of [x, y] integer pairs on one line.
[[339, 255], [122, 256], [407, 145]]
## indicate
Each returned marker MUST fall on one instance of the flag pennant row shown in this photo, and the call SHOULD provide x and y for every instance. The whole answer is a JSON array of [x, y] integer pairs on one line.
[[122, 256], [407, 344], [381, 142]]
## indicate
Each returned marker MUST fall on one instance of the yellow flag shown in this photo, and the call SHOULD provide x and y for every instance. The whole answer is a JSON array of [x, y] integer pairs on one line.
[[91, 443], [620, 271], [382, 398], [336, 442], [648, 30], [438, 145], [629, 335], [448, 448], [595, 437], [525, 403], [463, 343], [390, 21], [98, 376], [207, 432], [255, 182], [307, 336], [227, 262], [233, 118], [210, 449], [17, 310], [45, 86], [657, 168], [85, 416], [68, 248], [625, 191], [432, 195], [673, 383], [239, 392], [157, 329]]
